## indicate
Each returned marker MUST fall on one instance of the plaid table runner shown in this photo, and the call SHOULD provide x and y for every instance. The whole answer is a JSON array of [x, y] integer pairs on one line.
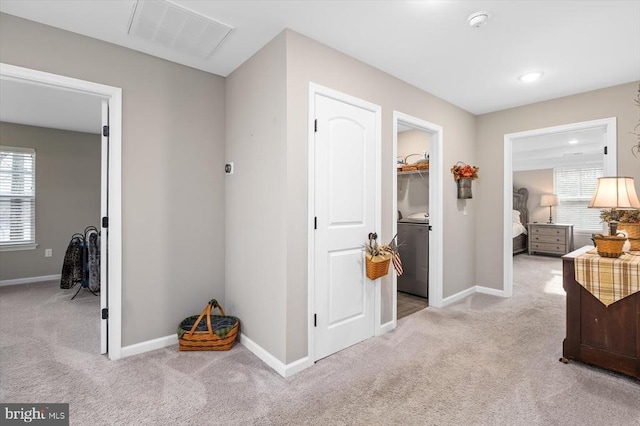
[[609, 280]]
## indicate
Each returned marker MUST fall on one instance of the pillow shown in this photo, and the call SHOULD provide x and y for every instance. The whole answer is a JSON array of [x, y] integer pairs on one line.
[[515, 216]]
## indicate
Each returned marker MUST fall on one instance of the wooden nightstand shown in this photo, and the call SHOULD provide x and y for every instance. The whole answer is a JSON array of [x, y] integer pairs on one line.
[[550, 238]]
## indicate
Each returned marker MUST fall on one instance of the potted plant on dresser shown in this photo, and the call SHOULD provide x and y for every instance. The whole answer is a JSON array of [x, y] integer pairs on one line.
[[629, 222]]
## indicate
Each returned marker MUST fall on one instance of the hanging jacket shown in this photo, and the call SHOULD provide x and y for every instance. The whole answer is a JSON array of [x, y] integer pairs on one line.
[[93, 259], [72, 264]]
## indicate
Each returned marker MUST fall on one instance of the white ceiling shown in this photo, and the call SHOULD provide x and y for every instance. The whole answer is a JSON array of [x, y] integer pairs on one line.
[[580, 45], [46, 106], [555, 150]]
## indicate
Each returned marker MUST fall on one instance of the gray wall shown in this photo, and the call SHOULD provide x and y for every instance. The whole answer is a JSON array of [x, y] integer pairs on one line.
[[266, 127], [616, 101], [538, 182], [255, 203], [174, 185], [67, 194], [309, 61], [172, 170]]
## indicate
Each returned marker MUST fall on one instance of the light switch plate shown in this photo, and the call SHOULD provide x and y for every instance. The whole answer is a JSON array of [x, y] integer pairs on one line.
[[228, 168]]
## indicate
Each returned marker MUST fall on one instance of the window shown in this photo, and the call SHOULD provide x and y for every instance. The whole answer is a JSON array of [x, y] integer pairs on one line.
[[574, 188], [17, 197]]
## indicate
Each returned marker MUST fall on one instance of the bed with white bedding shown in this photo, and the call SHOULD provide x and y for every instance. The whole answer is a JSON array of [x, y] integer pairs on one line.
[[520, 218]]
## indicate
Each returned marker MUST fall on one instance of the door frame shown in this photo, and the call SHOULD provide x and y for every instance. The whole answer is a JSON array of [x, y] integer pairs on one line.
[[114, 97], [316, 89], [436, 207], [610, 168]]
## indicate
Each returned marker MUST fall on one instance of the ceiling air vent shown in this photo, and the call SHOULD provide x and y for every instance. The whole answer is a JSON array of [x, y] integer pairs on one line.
[[165, 23]]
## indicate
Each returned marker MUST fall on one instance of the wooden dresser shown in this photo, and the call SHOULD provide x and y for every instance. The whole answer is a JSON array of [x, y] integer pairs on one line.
[[604, 336], [550, 238]]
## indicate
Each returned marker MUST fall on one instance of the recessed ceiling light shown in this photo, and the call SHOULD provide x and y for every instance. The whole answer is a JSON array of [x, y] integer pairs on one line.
[[531, 76], [573, 141], [478, 19]]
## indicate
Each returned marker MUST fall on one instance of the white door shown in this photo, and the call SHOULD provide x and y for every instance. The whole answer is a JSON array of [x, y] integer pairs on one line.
[[104, 208], [346, 210]]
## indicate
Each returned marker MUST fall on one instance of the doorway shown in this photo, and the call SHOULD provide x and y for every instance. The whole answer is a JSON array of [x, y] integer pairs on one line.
[[434, 201], [557, 141], [111, 271]]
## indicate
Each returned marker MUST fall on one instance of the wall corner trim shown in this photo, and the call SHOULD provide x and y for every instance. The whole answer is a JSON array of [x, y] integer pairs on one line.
[[387, 327], [458, 296], [285, 370], [472, 290], [30, 280], [490, 291]]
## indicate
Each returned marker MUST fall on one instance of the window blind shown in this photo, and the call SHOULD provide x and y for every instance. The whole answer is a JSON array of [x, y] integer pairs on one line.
[[574, 188], [17, 195]]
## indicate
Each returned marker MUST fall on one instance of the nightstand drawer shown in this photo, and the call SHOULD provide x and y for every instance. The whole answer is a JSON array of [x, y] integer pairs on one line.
[[549, 248], [539, 230], [553, 239]]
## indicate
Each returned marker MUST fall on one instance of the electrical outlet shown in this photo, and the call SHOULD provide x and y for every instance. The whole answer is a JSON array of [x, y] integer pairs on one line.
[[48, 252], [228, 168]]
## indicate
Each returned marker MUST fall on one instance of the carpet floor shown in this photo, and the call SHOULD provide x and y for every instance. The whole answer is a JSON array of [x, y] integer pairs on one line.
[[482, 361]]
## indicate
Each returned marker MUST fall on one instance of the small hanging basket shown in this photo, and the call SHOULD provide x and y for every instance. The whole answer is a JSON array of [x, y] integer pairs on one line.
[[206, 332], [377, 266], [377, 258]]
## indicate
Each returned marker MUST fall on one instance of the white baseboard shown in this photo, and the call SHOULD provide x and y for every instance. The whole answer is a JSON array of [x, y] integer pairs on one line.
[[29, 280], [490, 291], [386, 327], [149, 345], [285, 370], [458, 296], [471, 290], [297, 366]]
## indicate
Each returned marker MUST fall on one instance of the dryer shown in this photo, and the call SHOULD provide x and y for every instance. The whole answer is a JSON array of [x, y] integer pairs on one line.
[[413, 245]]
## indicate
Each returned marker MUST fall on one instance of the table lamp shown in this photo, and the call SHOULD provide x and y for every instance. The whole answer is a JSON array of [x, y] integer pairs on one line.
[[549, 200], [615, 193]]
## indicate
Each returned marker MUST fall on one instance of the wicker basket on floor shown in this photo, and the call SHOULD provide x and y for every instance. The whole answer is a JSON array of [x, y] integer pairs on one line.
[[609, 246], [377, 266], [206, 332]]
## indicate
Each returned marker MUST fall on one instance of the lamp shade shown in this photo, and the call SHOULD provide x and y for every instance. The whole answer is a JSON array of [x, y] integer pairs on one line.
[[616, 192], [549, 200]]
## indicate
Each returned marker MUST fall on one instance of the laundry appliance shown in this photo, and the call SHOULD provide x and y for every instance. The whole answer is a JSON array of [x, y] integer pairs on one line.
[[413, 245]]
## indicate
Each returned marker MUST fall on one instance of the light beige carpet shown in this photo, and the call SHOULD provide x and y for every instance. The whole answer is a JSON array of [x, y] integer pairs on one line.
[[482, 361]]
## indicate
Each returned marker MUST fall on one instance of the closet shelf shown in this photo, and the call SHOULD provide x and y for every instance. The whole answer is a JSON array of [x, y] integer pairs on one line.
[[413, 172]]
